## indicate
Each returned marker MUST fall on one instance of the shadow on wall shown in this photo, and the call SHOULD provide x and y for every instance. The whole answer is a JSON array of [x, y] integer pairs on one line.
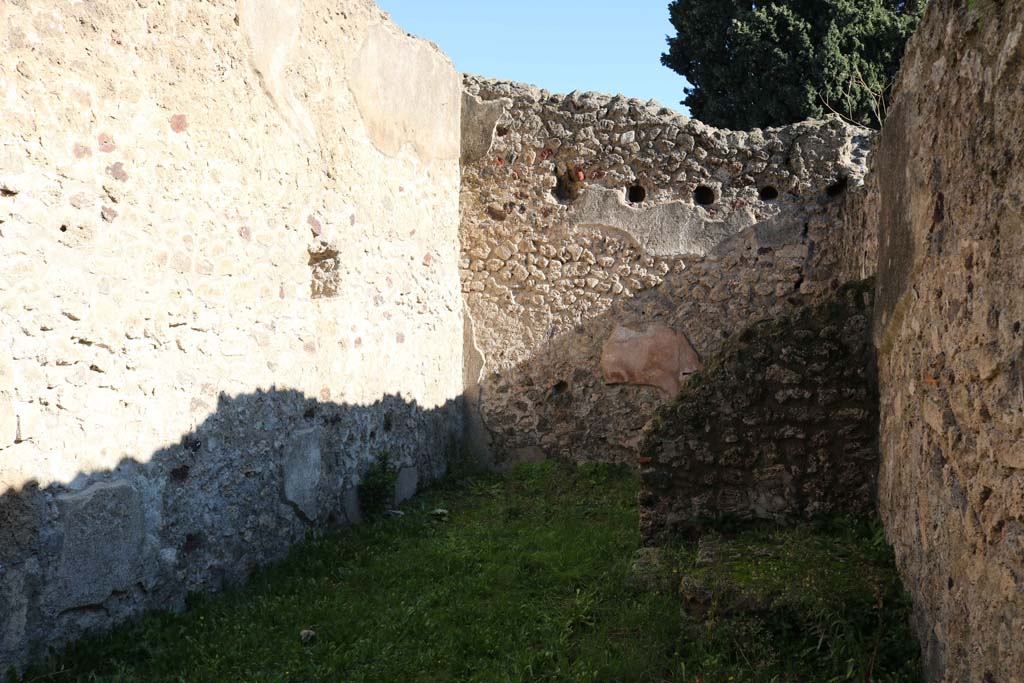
[[255, 477], [781, 425], [559, 402]]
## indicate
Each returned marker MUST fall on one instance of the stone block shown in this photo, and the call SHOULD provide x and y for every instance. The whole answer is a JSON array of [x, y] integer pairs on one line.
[[103, 530], [406, 484], [350, 506], [479, 120], [302, 471]]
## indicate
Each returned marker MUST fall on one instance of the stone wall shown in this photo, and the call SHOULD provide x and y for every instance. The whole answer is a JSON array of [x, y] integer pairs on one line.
[[856, 245], [228, 282], [586, 216], [948, 329], [782, 424]]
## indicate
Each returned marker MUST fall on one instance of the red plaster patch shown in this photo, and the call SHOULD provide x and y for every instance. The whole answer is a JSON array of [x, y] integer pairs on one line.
[[428, 258], [325, 394], [656, 357], [400, 338], [108, 214], [81, 151], [179, 123], [106, 143], [245, 233]]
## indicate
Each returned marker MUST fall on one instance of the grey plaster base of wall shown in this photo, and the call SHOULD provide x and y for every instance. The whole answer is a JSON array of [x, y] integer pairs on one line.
[[254, 479]]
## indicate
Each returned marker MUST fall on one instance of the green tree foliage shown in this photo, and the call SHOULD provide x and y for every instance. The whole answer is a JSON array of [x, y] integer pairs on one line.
[[759, 64]]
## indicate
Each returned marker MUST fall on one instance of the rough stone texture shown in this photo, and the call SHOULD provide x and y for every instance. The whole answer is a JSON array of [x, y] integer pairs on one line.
[[552, 264], [856, 245], [302, 471], [782, 424], [228, 282], [8, 419], [948, 329], [103, 544], [271, 29]]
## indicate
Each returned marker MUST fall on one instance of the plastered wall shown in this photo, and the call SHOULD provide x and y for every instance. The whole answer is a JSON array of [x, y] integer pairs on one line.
[[228, 282]]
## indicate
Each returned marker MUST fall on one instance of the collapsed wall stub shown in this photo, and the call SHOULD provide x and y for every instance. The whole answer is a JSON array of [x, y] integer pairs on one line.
[[228, 283], [948, 331], [781, 425], [586, 217]]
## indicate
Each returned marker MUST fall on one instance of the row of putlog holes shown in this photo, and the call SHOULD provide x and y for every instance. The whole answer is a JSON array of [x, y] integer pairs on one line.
[[705, 196]]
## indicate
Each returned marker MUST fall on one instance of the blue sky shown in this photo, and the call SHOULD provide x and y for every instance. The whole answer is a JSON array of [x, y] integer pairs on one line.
[[561, 45]]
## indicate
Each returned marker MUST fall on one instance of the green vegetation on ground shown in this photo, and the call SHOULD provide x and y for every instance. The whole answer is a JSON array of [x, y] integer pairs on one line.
[[528, 578]]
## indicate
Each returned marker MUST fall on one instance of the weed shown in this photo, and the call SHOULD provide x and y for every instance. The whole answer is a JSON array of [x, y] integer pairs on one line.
[[377, 486]]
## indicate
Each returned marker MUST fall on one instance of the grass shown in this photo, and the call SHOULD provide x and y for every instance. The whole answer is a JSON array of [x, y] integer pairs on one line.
[[528, 578], [818, 602]]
